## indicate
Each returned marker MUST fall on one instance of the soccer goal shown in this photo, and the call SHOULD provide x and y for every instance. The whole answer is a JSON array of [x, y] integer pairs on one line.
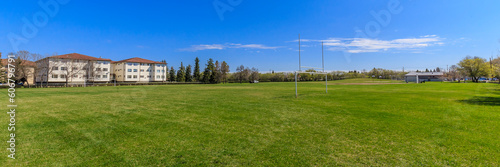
[[322, 69]]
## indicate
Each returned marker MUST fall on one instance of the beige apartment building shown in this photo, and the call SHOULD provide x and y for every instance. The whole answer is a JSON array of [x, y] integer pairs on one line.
[[74, 68], [139, 70]]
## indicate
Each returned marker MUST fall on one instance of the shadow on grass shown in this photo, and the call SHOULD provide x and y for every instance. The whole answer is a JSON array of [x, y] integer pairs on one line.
[[482, 100]]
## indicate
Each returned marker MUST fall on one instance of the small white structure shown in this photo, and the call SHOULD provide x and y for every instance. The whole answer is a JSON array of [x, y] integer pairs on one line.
[[423, 76]]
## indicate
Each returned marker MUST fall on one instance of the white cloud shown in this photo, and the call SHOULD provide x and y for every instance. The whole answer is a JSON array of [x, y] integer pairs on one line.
[[364, 45], [195, 48]]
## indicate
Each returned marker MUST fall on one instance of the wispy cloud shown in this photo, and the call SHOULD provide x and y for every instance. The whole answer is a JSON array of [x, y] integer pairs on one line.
[[364, 45], [195, 48]]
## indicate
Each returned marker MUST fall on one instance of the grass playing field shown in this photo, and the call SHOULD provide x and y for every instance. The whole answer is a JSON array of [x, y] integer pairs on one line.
[[431, 124]]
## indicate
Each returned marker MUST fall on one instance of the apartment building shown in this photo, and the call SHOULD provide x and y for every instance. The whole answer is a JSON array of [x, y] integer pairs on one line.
[[139, 70], [73, 68]]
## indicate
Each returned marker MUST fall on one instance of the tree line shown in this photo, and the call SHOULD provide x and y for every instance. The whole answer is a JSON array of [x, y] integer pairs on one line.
[[214, 72]]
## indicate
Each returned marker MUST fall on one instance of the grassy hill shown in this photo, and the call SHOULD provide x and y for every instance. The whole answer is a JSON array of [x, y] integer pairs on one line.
[[431, 124]]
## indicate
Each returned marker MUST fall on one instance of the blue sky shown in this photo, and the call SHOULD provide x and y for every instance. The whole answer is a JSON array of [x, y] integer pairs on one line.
[[419, 34]]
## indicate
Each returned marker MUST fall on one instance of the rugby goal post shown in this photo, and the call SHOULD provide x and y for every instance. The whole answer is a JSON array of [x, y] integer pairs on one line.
[[302, 72]]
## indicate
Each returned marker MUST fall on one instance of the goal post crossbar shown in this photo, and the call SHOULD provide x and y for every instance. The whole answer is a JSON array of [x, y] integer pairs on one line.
[[322, 69], [317, 68]]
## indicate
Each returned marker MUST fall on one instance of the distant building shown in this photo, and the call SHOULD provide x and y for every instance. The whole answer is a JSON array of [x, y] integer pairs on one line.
[[75, 68], [424, 76], [139, 70]]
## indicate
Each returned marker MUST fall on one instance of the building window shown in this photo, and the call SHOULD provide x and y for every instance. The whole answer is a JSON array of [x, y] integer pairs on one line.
[[54, 76], [157, 65], [63, 76], [129, 70], [104, 76], [98, 76], [157, 76], [98, 69], [157, 70], [162, 70], [142, 76], [135, 70], [142, 70], [148, 70], [149, 76], [163, 76], [104, 69], [129, 76], [135, 76], [55, 68], [130, 64], [105, 63], [75, 68], [136, 64], [75, 76], [64, 68]]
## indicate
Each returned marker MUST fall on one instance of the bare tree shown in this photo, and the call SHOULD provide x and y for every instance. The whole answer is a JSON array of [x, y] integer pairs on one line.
[[71, 67], [93, 70], [46, 67], [3, 76], [28, 69]]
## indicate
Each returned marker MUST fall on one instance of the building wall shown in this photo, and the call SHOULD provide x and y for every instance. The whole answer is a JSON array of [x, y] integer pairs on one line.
[[55, 70], [139, 72], [422, 78]]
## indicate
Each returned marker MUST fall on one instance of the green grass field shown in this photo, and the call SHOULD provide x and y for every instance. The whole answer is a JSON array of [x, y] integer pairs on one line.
[[431, 124]]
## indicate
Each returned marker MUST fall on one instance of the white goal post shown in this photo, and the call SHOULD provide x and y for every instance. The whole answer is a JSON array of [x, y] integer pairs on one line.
[[322, 69]]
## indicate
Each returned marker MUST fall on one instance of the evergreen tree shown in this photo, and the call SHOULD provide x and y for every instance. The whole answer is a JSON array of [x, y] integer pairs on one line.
[[172, 74], [180, 74], [224, 70], [196, 73], [211, 68], [217, 73], [206, 75], [189, 78]]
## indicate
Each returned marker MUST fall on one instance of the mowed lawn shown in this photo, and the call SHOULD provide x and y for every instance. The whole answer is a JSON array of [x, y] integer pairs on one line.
[[431, 124]]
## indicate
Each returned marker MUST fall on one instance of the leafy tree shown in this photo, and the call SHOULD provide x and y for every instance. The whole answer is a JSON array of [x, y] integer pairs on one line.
[[240, 73], [254, 74], [426, 70], [172, 74], [474, 67], [180, 74], [496, 68], [196, 73], [189, 77]]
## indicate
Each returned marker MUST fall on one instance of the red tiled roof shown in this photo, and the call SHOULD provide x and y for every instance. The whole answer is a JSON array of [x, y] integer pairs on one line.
[[79, 57], [139, 60], [25, 62]]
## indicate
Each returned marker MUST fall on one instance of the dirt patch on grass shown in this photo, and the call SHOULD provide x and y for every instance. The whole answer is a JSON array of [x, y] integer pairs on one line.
[[363, 83]]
